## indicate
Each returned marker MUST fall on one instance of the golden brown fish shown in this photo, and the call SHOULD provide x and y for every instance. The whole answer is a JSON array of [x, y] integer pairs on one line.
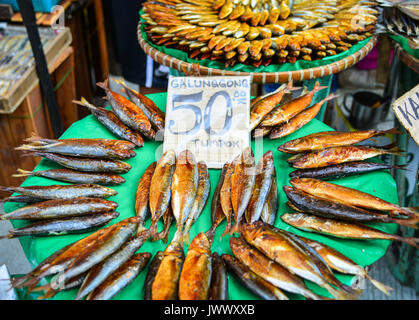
[[142, 194]]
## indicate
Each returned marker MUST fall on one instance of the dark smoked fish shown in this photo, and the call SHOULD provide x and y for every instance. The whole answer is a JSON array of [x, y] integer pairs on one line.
[[225, 197], [91, 148], [57, 227], [271, 205], [151, 274], [74, 176], [61, 208], [86, 164], [120, 278], [217, 214], [342, 170], [306, 202], [63, 191], [143, 193], [252, 281], [219, 282], [112, 123]]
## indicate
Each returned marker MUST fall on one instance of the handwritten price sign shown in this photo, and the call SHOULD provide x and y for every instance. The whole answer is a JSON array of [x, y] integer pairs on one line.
[[406, 109], [209, 116]]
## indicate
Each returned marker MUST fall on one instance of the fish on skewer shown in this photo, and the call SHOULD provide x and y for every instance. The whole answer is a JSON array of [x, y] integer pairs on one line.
[[341, 170], [256, 284], [261, 188], [242, 181], [85, 164], [61, 208], [348, 196], [160, 188], [299, 120], [218, 289], [74, 176], [184, 187], [200, 200], [92, 148], [100, 272], [63, 191], [336, 155], [112, 123], [326, 208], [127, 111], [328, 139], [120, 278], [142, 195], [278, 246], [341, 229], [341, 263], [268, 269]]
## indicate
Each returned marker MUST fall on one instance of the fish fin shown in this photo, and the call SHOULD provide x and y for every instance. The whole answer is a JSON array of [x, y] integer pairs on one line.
[[412, 211], [48, 294], [104, 85], [380, 286], [186, 238], [23, 173]]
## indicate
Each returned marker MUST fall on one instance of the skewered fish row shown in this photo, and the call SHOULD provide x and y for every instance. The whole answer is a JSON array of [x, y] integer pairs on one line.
[[259, 32]]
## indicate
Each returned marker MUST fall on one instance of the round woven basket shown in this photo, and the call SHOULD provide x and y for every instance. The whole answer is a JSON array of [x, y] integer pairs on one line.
[[257, 77], [406, 58]]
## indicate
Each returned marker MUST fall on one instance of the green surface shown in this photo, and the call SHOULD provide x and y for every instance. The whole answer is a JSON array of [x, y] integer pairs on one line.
[[363, 252], [405, 45]]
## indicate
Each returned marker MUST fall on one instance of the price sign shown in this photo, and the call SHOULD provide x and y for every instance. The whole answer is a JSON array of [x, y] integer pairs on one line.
[[406, 109], [209, 116]]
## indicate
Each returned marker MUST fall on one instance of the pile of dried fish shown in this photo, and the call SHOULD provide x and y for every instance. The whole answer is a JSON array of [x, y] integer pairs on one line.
[[246, 189], [277, 114], [400, 18], [335, 154], [130, 119], [101, 264], [259, 32], [268, 260], [173, 187], [340, 211]]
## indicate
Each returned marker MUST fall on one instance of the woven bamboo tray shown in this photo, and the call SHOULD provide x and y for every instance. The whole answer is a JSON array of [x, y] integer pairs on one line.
[[406, 58], [257, 77]]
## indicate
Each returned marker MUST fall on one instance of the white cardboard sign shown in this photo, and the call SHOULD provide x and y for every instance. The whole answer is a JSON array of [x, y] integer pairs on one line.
[[209, 116], [406, 109]]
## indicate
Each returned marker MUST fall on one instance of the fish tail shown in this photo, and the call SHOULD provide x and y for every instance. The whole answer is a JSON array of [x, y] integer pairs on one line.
[[392, 148], [8, 189], [23, 173], [154, 232], [27, 147], [48, 294], [389, 131], [340, 295], [83, 102], [410, 241], [380, 286], [235, 228], [407, 222], [329, 97], [317, 87], [104, 85], [7, 236], [226, 230]]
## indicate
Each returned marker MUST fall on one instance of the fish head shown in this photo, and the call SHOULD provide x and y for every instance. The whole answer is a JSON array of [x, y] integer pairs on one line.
[[251, 230], [168, 158]]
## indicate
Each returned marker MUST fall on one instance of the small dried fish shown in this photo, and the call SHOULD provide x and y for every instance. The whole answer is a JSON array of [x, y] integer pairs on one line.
[[194, 281], [61, 208], [112, 122], [261, 188], [252, 281], [270, 208], [74, 176], [120, 278], [329, 139], [219, 283], [342, 229], [225, 197], [160, 191], [58, 227], [342, 170], [92, 148], [63, 191], [217, 214], [338, 155], [86, 164], [151, 274], [142, 194]]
